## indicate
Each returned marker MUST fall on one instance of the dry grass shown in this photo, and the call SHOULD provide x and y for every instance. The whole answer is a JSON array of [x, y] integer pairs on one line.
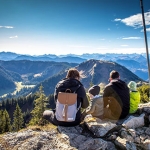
[[20, 86], [4, 144], [41, 128]]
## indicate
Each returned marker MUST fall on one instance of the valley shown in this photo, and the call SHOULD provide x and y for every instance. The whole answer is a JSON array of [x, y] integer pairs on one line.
[[19, 77], [19, 87]]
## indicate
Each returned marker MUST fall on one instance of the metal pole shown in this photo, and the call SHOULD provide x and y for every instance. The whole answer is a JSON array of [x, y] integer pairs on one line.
[[146, 44]]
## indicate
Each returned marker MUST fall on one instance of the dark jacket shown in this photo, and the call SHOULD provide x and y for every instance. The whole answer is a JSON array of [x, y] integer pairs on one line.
[[73, 85], [116, 94]]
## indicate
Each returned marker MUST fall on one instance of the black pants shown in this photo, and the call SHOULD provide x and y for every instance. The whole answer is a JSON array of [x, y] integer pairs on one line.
[[49, 115]]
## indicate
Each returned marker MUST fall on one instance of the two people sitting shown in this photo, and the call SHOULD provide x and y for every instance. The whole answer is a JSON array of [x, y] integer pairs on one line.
[[114, 104]]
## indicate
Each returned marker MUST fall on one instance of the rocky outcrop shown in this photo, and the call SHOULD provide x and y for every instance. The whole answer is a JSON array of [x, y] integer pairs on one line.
[[65, 138], [133, 133]]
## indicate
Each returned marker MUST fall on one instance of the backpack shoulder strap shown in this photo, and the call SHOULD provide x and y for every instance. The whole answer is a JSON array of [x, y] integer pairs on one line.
[[77, 88], [75, 92]]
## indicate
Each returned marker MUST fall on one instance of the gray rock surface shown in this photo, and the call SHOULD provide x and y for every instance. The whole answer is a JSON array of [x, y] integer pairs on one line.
[[99, 127], [95, 134]]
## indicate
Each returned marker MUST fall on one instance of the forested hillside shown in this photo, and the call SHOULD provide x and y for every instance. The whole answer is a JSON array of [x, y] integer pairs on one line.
[[30, 107], [7, 79], [93, 71], [28, 73]]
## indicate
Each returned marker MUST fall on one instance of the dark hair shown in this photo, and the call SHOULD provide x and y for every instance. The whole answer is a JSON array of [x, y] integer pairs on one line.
[[73, 73], [114, 74], [94, 90]]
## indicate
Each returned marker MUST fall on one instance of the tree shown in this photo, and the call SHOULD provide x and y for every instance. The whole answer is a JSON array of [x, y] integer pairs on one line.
[[91, 84], [40, 106], [6, 126], [144, 92], [1, 121], [17, 119], [51, 102]]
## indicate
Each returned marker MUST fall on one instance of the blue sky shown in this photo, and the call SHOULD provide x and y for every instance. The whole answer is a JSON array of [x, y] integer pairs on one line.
[[58, 27]]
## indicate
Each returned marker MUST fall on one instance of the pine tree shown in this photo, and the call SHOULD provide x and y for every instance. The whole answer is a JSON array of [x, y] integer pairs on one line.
[[91, 84], [6, 126], [17, 119], [1, 121], [40, 106]]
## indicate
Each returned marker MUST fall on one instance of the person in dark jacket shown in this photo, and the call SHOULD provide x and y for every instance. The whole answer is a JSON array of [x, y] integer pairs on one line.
[[116, 98], [72, 82]]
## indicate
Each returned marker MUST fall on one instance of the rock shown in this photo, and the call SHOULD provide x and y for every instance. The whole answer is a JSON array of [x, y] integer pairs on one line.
[[76, 129], [137, 140], [41, 140], [121, 143], [144, 108], [134, 122], [132, 132], [81, 142], [99, 127], [142, 137], [140, 131], [95, 134], [124, 134], [147, 110], [130, 146], [146, 144], [112, 137], [124, 144], [111, 146], [147, 131], [93, 144], [1, 147], [130, 138]]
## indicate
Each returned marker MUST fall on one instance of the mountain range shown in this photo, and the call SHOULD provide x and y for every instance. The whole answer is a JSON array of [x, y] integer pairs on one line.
[[137, 63], [35, 71], [93, 71], [48, 73]]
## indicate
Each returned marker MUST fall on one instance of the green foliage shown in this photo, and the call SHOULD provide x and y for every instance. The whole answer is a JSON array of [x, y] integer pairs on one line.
[[5, 122], [91, 84], [145, 93], [18, 119], [6, 80], [25, 104], [51, 102], [1, 121], [40, 106]]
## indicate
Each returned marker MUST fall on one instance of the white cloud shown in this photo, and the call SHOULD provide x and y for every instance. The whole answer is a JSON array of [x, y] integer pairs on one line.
[[135, 20], [117, 19], [77, 46], [12, 37], [147, 29], [131, 38], [102, 48], [124, 45], [8, 27], [127, 50]]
